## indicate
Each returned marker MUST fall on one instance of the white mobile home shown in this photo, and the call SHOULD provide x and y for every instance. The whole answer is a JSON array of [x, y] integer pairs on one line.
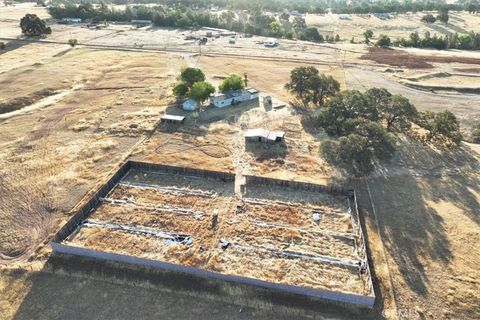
[[234, 97]]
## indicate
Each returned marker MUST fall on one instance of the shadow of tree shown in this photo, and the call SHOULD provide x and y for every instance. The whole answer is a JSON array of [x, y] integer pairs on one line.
[[263, 151], [446, 28], [414, 231]]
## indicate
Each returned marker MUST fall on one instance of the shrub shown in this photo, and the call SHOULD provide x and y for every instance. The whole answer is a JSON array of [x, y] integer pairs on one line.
[[384, 41], [429, 18], [72, 42]]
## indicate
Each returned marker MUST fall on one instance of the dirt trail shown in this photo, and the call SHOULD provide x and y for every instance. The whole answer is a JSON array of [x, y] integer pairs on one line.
[[45, 102]]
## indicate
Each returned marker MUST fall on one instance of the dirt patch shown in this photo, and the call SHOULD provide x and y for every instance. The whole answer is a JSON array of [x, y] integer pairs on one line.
[[468, 70], [21, 102], [400, 58]]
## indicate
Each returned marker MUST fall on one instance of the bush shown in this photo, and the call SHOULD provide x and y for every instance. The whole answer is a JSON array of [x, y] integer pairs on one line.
[[384, 41], [429, 18], [72, 42]]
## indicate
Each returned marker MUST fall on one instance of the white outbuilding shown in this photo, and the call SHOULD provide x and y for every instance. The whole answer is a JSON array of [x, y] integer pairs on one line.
[[190, 105], [271, 42], [234, 97]]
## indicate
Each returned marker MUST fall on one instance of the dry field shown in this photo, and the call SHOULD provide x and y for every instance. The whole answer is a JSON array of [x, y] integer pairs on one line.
[[82, 111], [397, 26]]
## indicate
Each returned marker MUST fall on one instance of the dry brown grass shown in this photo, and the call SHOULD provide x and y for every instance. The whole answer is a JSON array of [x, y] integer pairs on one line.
[[26, 214]]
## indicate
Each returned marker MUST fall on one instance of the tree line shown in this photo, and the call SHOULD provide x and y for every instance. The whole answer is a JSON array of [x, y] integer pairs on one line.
[[398, 6], [314, 6], [255, 22], [363, 127]]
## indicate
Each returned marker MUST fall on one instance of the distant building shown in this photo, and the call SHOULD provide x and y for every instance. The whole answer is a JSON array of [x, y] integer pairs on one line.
[[270, 42], [141, 23], [170, 118], [381, 15], [264, 135], [190, 105], [234, 97], [71, 20]]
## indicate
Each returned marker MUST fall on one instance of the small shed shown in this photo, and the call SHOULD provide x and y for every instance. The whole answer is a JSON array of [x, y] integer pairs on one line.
[[170, 118], [190, 105], [264, 135]]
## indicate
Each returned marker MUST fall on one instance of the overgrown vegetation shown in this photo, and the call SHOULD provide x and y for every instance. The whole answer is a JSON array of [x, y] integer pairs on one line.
[[363, 126], [32, 25]]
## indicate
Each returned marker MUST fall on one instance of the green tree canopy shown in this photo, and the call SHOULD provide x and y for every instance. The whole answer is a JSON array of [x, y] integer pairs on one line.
[[441, 124], [191, 75], [32, 25], [232, 82], [345, 106], [311, 87], [367, 142], [201, 91], [180, 90]]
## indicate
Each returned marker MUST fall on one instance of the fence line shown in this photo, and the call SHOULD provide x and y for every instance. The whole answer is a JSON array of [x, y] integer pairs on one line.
[[333, 189], [336, 296]]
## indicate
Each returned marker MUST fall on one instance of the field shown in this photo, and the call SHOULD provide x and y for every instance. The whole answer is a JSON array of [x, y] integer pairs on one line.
[[70, 116]]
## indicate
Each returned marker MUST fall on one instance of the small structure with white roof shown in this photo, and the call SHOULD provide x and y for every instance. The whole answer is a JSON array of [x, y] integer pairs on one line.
[[264, 135], [170, 118], [190, 105]]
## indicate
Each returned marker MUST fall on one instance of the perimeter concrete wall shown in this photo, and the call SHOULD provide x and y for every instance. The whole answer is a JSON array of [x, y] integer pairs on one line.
[[349, 298], [333, 189], [223, 176]]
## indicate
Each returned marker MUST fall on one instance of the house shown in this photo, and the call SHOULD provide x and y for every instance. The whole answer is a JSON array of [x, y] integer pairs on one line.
[[264, 135], [190, 105], [270, 42], [141, 23], [170, 118], [234, 97]]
